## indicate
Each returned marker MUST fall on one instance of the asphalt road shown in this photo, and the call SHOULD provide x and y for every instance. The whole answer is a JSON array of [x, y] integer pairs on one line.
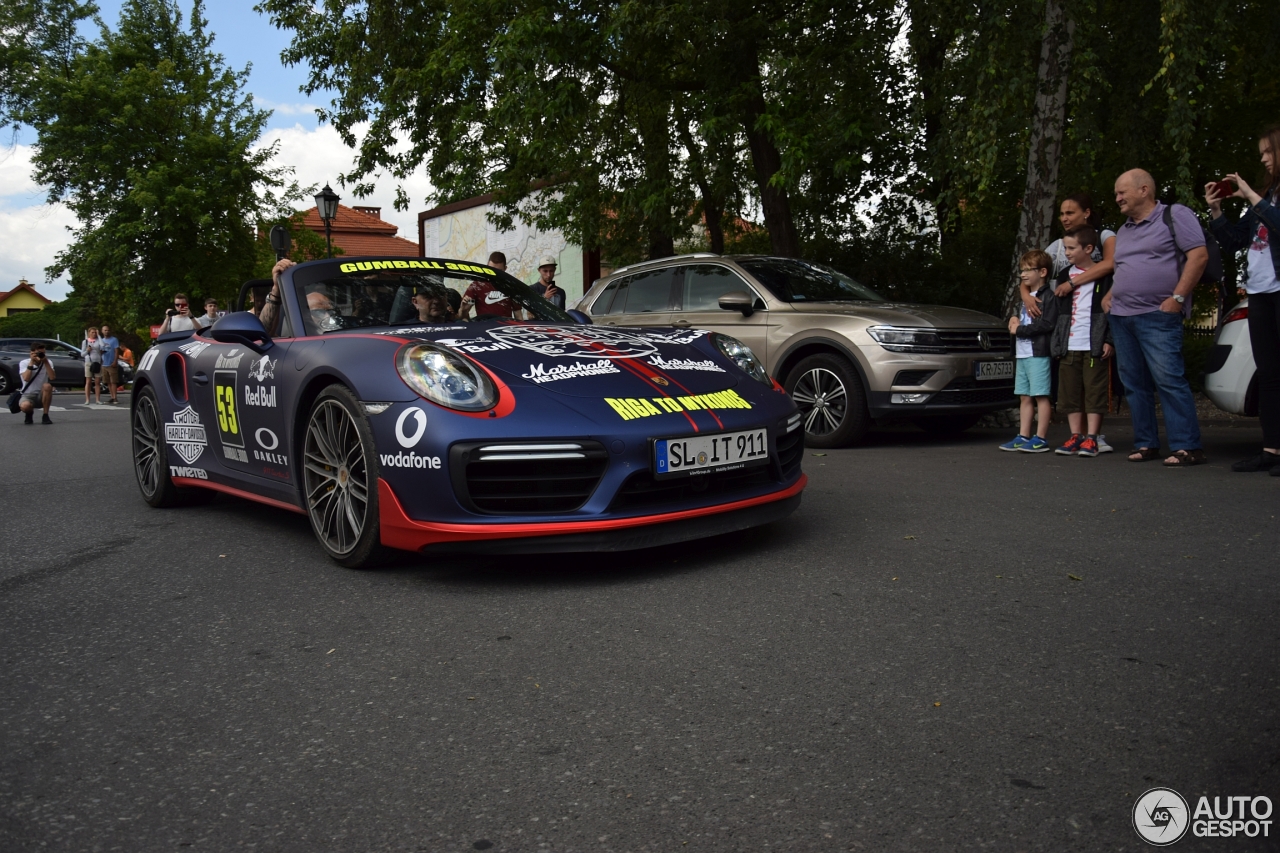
[[945, 648]]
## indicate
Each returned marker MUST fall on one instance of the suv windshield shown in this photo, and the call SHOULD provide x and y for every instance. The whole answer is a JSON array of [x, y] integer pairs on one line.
[[801, 281], [407, 292]]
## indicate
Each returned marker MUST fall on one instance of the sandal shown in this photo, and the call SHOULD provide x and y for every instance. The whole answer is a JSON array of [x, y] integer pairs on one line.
[[1145, 454], [1185, 458]]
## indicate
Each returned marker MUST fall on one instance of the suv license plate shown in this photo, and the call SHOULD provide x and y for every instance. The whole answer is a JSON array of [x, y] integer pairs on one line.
[[992, 370], [706, 454]]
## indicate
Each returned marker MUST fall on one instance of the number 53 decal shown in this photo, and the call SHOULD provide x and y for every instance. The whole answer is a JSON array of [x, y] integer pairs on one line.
[[224, 396]]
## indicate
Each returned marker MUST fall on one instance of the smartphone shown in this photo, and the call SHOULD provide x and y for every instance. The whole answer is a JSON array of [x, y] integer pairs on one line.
[[1224, 188]]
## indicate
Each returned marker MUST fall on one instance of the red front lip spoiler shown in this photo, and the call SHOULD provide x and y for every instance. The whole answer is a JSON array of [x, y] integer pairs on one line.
[[404, 533]]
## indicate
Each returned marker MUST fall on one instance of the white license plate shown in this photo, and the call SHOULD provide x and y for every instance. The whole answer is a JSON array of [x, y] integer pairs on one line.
[[992, 370], [706, 454]]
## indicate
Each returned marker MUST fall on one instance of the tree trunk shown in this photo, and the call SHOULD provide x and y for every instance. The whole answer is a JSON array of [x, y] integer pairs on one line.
[[1048, 117], [714, 217], [767, 161], [712, 207], [930, 37]]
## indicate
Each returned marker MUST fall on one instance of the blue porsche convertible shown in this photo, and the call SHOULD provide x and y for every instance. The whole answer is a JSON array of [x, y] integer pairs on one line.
[[350, 397]]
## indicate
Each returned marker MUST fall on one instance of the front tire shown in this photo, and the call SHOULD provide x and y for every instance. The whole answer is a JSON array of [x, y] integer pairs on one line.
[[150, 462], [832, 402], [340, 479]]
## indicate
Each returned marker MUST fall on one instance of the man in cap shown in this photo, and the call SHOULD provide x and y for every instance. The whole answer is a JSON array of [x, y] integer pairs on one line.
[[545, 286]]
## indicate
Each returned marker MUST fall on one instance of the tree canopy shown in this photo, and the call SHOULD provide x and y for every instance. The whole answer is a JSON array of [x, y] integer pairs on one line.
[[149, 139], [891, 138]]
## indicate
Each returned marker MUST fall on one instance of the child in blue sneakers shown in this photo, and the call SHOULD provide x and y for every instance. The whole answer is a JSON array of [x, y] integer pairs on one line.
[[1031, 346]]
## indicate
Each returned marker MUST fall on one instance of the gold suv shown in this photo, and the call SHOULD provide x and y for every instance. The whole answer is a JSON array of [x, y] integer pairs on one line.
[[846, 356]]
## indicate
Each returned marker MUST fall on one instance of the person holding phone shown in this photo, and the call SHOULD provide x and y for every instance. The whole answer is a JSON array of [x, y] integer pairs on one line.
[[1258, 230], [37, 375], [178, 318], [546, 286]]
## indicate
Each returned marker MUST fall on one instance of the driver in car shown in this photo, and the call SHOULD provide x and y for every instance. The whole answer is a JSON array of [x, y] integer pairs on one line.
[[432, 304]]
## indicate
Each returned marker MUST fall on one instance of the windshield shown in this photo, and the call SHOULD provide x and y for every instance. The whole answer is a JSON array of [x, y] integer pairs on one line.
[[801, 281], [411, 292]]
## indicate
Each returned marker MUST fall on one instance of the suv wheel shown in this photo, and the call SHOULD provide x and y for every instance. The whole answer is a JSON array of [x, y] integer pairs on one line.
[[831, 400]]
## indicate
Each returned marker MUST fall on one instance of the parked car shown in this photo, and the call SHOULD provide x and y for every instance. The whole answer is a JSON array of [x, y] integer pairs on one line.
[[488, 435], [67, 361], [845, 354], [1230, 376]]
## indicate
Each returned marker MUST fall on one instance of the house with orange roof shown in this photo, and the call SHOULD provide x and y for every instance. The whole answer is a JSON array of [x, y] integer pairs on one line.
[[21, 299], [360, 230]]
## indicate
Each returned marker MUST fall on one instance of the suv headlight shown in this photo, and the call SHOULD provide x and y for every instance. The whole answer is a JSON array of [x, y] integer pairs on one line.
[[741, 355], [443, 376], [906, 340]]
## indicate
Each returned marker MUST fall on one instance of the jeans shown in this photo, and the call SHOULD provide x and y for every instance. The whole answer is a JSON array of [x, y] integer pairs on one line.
[[1264, 335], [1149, 352]]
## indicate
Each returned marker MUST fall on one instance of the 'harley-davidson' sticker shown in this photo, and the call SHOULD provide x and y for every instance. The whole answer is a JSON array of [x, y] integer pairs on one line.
[[185, 435], [573, 341]]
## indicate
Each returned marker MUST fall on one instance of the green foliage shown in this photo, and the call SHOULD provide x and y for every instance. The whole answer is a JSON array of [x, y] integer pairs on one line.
[[38, 39], [147, 137], [887, 138], [304, 244], [63, 320], [1195, 351]]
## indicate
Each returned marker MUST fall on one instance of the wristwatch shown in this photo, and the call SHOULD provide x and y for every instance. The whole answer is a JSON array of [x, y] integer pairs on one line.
[[1181, 300]]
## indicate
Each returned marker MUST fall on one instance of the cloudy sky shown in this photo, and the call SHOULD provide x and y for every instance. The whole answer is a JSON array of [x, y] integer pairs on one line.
[[33, 232]]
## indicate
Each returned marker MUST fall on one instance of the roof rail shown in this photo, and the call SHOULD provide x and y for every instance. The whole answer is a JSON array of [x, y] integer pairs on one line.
[[664, 260]]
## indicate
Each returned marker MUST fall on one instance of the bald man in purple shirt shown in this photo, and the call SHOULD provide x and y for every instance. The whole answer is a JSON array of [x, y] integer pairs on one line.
[[1157, 268]]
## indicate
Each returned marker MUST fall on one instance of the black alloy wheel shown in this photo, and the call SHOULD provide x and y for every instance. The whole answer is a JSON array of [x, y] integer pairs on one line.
[[150, 461], [832, 403], [340, 479]]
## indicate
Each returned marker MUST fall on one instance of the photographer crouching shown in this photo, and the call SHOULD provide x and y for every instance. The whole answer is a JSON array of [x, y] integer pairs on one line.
[[37, 375]]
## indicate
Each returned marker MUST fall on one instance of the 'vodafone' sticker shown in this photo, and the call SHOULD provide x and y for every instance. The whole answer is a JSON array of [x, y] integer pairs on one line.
[[420, 421]]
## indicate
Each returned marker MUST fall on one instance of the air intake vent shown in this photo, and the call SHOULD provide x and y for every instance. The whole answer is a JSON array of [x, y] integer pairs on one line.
[[526, 478]]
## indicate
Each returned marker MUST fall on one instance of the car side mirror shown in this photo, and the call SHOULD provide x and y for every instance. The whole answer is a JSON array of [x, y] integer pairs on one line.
[[737, 300], [241, 327], [578, 317]]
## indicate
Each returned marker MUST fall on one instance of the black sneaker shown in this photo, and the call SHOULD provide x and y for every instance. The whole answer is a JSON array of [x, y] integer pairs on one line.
[[28, 419], [44, 419], [1264, 461]]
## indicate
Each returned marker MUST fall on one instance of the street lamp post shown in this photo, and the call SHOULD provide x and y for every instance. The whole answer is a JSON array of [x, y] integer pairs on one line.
[[327, 205]]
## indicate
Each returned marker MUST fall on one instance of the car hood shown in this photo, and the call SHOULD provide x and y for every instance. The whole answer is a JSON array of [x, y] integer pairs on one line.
[[591, 361], [903, 314]]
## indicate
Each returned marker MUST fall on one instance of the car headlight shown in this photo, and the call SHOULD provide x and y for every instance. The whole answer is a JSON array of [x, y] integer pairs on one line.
[[906, 340], [741, 355], [445, 377]]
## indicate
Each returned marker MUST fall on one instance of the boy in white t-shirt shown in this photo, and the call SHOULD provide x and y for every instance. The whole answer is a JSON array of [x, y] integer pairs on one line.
[[1083, 371]]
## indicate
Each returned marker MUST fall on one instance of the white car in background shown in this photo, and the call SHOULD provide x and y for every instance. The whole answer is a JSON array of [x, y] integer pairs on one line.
[[1230, 377]]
